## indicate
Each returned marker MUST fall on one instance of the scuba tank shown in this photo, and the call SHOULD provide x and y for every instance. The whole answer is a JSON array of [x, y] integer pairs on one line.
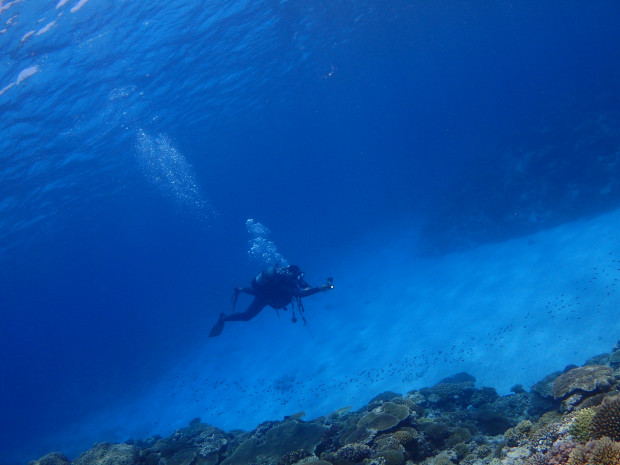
[[264, 279]]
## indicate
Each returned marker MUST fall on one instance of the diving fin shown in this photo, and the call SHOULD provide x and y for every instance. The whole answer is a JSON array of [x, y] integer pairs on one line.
[[218, 327]]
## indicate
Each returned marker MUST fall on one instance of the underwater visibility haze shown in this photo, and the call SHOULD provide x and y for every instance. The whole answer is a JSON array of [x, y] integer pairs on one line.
[[453, 165]]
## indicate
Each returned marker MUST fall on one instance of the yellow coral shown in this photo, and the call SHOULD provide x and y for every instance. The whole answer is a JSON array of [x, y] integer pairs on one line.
[[580, 427]]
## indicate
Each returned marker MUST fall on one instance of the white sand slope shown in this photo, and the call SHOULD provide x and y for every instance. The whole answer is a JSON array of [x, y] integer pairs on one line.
[[506, 313]]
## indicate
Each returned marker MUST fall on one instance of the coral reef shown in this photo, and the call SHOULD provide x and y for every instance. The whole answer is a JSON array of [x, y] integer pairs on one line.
[[108, 454], [278, 440], [384, 417], [606, 421], [580, 427], [605, 452], [351, 453], [597, 452], [587, 379], [568, 418], [53, 458]]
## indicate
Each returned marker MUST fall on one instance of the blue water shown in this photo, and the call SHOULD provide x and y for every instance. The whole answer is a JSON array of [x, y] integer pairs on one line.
[[137, 138]]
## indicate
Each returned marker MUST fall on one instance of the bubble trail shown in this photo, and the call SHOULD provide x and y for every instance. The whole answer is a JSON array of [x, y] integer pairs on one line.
[[262, 249], [168, 170]]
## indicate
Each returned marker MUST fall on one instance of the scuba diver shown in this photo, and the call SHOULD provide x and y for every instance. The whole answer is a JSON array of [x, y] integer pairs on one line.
[[276, 286]]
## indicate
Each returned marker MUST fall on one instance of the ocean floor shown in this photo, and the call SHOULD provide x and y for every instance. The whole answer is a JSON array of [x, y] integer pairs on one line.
[[507, 313]]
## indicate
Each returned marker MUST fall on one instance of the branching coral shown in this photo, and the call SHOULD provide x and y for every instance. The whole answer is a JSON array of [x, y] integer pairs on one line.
[[605, 452], [597, 452]]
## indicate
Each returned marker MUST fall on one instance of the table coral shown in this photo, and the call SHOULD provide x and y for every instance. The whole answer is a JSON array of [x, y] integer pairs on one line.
[[384, 417], [588, 378]]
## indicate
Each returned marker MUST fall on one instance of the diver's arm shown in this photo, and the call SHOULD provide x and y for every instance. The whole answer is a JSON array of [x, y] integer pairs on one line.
[[237, 291], [313, 290], [245, 290]]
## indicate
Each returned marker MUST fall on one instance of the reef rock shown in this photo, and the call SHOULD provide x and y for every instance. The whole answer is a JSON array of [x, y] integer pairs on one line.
[[204, 439], [571, 417], [109, 454], [614, 359], [54, 458], [588, 378], [279, 440], [544, 387], [451, 392], [491, 422]]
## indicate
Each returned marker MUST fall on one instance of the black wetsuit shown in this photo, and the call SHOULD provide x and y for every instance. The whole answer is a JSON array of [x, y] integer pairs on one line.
[[275, 287]]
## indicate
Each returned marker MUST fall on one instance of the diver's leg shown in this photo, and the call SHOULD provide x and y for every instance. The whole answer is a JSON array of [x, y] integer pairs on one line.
[[247, 290], [253, 309], [217, 327]]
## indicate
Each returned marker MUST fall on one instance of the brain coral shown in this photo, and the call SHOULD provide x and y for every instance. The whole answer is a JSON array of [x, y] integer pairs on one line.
[[405, 436], [588, 378], [354, 452], [606, 421]]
